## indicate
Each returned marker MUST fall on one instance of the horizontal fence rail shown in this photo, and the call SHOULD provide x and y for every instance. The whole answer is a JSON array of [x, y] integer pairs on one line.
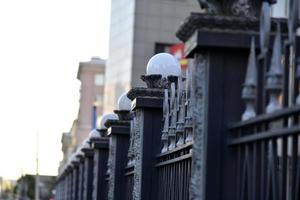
[[266, 142], [268, 156]]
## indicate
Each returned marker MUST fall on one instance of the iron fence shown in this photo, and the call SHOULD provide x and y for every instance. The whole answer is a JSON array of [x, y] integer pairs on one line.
[[185, 140]]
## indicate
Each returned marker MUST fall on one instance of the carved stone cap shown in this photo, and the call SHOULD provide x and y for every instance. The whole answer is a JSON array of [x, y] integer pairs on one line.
[[75, 163], [123, 114], [112, 122], [101, 144], [145, 92], [88, 152], [103, 132], [92, 140], [217, 23]]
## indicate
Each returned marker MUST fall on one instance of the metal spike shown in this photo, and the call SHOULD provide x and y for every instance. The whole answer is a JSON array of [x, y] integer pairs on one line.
[[164, 137], [249, 89], [173, 112], [276, 65], [274, 76], [251, 76]]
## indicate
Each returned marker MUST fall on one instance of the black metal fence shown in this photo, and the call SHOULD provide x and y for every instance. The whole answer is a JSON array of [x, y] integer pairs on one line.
[[229, 129]]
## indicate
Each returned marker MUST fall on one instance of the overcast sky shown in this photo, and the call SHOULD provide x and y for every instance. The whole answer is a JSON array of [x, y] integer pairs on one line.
[[41, 43]]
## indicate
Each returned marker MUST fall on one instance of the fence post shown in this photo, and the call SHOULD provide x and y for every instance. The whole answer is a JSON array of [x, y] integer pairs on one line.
[[147, 105], [220, 61], [69, 181], [80, 174], [118, 133], [100, 147], [75, 180], [88, 170]]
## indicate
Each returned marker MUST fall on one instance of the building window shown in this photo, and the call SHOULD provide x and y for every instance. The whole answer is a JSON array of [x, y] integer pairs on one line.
[[98, 100], [99, 79]]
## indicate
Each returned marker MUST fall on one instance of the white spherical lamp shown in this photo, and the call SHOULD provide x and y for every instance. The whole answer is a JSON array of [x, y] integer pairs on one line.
[[94, 134], [79, 152], [104, 118], [124, 103], [73, 158], [164, 64], [85, 144]]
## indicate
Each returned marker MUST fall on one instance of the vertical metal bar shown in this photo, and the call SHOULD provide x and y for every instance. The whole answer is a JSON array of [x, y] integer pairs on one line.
[[238, 177]]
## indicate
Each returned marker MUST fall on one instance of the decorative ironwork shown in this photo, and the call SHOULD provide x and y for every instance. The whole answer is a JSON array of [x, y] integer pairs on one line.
[[155, 81], [188, 126], [180, 113], [173, 118], [131, 159], [165, 130], [241, 8]]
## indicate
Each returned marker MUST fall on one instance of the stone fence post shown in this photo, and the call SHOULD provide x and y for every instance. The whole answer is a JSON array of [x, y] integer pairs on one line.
[[80, 174], [75, 180], [88, 171], [100, 147], [118, 133], [147, 105]]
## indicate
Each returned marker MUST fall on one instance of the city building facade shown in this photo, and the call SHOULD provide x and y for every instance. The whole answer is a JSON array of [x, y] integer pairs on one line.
[[91, 76]]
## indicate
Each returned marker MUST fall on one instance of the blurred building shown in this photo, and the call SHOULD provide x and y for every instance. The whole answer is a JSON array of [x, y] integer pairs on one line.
[[66, 147], [139, 29], [26, 184], [6, 188], [91, 74]]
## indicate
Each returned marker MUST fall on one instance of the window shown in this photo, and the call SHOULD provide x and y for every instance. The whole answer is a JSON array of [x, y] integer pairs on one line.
[[99, 79]]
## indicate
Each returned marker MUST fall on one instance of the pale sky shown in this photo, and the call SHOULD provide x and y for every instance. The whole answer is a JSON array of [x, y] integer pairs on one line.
[[41, 43]]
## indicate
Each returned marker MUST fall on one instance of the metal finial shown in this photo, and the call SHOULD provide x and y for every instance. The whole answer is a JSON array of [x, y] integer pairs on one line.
[[249, 89], [180, 114], [251, 76], [274, 76], [188, 125], [130, 154], [172, 128]]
